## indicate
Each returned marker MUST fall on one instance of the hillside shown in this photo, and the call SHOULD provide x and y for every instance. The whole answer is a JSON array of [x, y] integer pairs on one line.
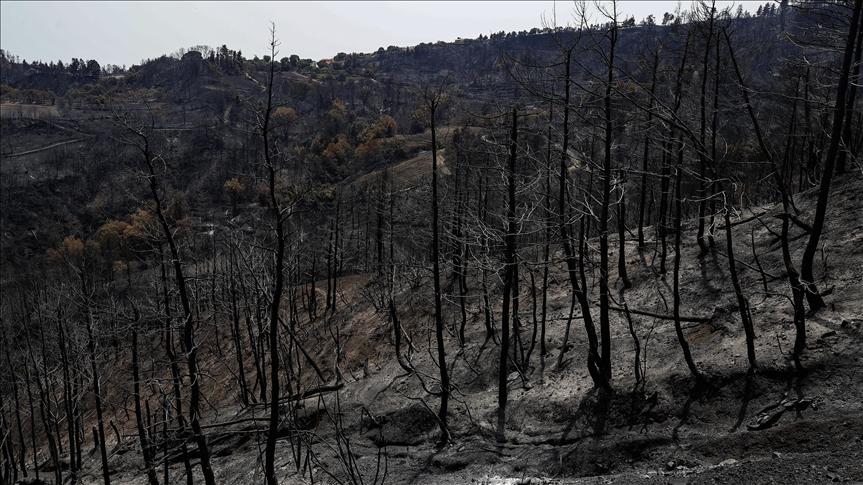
[[562, 430], [618, 253], [203, 104]]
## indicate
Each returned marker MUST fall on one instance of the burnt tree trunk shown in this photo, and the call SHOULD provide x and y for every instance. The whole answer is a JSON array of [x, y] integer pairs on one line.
[[190, 347], [742, 302], [645, 157], [508, 283], [816, 302], [146, 448], [678, 209], [604, 323], [278, 284], [432, 104], [97, 393], [593, 357], [13, 376], [702, 158]]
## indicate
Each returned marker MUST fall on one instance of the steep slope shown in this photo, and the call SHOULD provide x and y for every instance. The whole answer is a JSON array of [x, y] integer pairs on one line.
[[203, 110], [559, 429]]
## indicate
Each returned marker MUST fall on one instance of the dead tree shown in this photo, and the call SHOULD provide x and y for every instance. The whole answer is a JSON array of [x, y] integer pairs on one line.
[[594, 361], [847, 135], [433, 99], [74, 464], [742, 302], [190, 347], [702, 189], [789, 211], [278, 215], [13, 376], [81, 267], [146, 447], [547, 223], [678, 209], [508, 283], [32, 410], [176, 382], [816, 302], [604, 323], [645, 158], [459, 264], [662, 228], [391, 289], [97, 392], [676, 141], [236, 334], [9, 470]]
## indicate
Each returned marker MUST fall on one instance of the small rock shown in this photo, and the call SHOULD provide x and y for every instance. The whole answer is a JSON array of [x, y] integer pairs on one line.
[[670, 465], [776, 454], [728, 462]]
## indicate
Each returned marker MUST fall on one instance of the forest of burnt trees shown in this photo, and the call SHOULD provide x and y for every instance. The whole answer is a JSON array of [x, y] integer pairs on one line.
[[125, 332]]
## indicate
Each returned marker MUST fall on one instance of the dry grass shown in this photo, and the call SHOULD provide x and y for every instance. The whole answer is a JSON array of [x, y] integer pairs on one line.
[[409, 172]]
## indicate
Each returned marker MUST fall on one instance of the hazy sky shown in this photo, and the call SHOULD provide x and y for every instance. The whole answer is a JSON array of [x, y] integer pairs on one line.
[[127, 32]]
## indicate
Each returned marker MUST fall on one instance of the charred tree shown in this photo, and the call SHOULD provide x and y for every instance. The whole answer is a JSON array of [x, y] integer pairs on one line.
[[146, 448], [508, 283], [278, 216], [432, 103], [645, 157], [604, 323], [813, 297]]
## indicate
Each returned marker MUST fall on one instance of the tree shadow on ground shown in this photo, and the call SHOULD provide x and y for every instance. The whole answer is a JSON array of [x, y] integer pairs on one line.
[[592, 413], [744, 403], [697, 390]]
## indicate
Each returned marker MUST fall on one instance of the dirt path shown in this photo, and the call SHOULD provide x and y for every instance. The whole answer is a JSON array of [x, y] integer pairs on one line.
[[42, 149]]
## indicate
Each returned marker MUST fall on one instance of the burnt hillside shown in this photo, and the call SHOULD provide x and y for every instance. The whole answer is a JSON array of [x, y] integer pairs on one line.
[[622, 252]]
